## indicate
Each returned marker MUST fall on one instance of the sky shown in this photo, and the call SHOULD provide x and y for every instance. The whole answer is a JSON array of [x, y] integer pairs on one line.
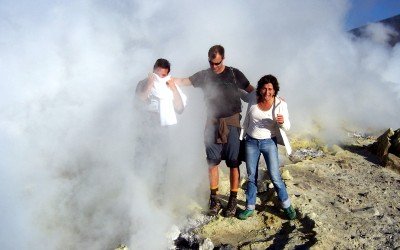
[[363, 12], [68, 126]]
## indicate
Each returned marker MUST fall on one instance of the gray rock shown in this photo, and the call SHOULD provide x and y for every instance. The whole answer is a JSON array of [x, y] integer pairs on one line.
[[343, 164], [305, 153], [392, 161], [286, 175], [336, 149], [122, 247], [207, 245], [387, 148], [395, 141], [382, 144]]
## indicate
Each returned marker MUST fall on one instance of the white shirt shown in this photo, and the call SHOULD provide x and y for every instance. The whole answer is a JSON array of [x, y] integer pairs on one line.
[[261, 124], [161, 100]]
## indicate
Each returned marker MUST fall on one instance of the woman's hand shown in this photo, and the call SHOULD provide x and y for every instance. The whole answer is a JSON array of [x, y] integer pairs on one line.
[[279, 119]]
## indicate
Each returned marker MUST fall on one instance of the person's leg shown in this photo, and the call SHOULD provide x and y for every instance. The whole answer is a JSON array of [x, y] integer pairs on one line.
[[162, 147], [153, 160], [214, 202], [213, 176], [231, 153], [234, 177], [269, 150], [213, 152], [252, 159]]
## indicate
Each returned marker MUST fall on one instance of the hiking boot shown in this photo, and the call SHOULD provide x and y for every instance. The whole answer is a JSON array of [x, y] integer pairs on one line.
[[230, 210], [246, 214], [290, 213], [214, 205]]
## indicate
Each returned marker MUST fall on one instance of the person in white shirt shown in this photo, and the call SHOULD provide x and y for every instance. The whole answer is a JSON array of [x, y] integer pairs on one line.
[[158, 101], [266, 118], [160, 93]]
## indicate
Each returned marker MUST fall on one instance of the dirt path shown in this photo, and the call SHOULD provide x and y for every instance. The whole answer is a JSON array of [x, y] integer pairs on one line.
[[344, 199]]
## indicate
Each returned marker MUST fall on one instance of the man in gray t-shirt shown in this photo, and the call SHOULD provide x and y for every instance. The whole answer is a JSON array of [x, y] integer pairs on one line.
[[221, 86]]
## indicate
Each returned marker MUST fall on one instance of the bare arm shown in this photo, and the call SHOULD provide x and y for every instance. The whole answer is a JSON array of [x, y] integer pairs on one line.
[[244, 94], [249, 88], [182, 81], [177, 99], [143, 90]]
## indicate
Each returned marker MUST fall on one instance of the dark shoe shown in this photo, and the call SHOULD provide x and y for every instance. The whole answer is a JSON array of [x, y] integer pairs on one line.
[[214, 205], [230, 210], [245, 214], [290, 213]]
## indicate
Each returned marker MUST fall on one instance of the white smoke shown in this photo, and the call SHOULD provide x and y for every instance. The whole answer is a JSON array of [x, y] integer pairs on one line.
[[68, 73]]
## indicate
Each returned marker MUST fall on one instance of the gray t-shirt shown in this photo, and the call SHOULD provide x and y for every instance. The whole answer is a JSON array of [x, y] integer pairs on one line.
[[221, 91]]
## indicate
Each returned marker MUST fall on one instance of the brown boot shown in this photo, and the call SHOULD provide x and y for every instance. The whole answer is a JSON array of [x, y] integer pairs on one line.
[[214, 205], [230, 210]]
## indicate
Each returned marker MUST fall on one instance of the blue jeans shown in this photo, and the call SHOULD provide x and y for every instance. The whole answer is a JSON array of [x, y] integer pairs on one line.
[[269, 149]]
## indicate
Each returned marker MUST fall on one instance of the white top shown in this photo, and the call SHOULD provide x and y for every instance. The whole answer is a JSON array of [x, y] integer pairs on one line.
[[261, 124], [163, 101]]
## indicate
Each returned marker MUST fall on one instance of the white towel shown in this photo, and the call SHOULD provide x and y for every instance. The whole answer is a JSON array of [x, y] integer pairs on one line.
[[164, 94]]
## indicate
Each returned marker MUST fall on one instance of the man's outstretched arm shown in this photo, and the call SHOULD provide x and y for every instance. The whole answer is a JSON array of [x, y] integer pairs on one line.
[[182, 81]]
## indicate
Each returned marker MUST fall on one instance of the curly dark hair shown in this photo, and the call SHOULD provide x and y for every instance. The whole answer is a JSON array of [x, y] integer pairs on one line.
[[268, 79]]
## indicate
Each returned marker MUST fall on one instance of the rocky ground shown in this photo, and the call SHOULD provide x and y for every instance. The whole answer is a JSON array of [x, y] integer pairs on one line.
[[344, 199]]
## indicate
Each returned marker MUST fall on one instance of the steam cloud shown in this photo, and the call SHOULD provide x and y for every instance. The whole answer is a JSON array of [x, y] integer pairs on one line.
[[68, 73]]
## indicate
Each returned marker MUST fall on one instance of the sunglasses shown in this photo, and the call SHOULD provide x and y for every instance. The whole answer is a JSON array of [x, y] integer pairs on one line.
[[215, 64]]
